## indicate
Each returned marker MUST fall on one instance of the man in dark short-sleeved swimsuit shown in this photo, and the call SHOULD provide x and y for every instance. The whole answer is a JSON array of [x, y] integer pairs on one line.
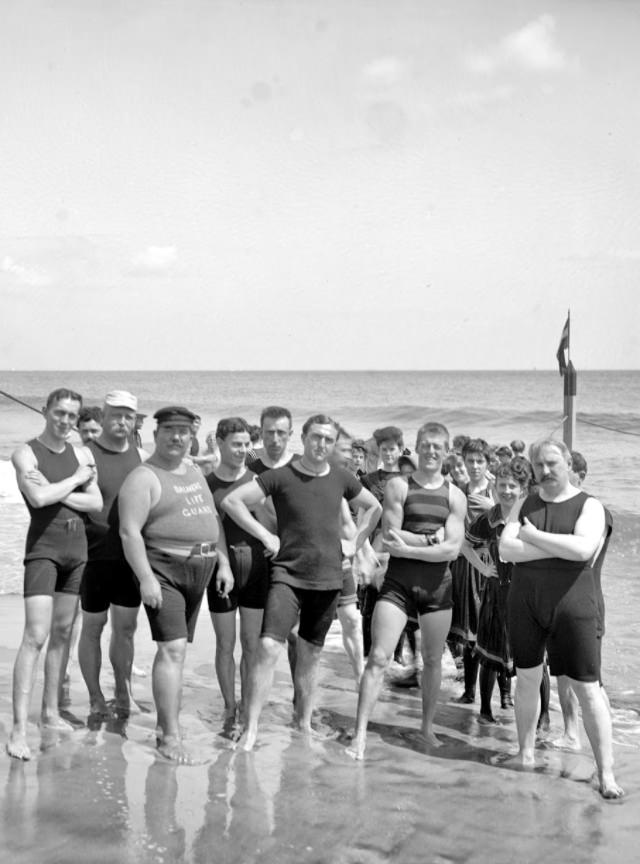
[[307, 577], [553, 537]]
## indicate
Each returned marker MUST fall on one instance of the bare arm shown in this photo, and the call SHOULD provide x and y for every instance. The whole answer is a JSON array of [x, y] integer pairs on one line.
[[447, 550], [512, 547], [89, 499], [39, 492], [369, 515], [237, 504], [579, 546], [472, 556], [138, 494], [224, 576]]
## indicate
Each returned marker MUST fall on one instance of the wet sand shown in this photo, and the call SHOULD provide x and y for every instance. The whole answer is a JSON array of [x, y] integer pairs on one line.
[[103, 795]]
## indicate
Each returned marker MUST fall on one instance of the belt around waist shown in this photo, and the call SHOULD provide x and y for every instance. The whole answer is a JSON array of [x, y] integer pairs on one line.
[[197, 550]]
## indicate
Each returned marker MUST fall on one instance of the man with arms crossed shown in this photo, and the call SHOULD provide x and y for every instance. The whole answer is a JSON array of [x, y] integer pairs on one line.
[[554, 537], [108, 582], [58, 484], [423, 530], [306, 578]]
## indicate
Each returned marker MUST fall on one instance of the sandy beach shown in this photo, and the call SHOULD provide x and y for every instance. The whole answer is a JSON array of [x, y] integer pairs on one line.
[[103, 795]]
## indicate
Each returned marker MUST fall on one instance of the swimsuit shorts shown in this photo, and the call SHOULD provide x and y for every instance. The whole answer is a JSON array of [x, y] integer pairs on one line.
[[285, 603], [107, 582], [556, 611], [417, 589], [250, 568], [45, 577], [55, 560], [183, 582]]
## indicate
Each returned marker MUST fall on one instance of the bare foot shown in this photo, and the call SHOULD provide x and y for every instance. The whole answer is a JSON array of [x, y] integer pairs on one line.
[[247, 740], [171, 747], [17, 746], [608, 787], [521, 761], [55, 723], [356, 749], [566, 742], [428, 736]]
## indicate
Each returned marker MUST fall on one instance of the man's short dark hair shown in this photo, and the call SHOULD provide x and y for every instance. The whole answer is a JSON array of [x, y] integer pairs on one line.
[[254, 433], [320, 420], [438, 430], [62, 393], [578, 463], [518, 446], [477, 445], [275, 412], [91, 412], [230, 425], [389, 433]]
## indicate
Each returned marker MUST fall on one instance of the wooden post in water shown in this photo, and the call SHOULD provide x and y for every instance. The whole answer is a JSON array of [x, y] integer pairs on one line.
[[570, 389]]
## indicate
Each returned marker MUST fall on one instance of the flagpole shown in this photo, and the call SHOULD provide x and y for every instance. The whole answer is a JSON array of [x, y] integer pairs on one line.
[[570, 391]]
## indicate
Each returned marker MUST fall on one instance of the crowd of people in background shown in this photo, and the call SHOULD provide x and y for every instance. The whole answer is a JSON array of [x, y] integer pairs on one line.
[[452, 545]]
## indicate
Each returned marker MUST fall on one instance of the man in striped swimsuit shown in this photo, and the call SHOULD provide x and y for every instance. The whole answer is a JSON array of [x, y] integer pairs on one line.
[[423, 529]]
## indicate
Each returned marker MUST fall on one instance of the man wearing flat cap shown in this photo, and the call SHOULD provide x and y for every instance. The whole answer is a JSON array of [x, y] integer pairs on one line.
[[172, 537], [108, 583]]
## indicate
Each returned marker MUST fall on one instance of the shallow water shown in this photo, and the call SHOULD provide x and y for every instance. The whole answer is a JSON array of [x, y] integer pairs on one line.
[[104, 796]]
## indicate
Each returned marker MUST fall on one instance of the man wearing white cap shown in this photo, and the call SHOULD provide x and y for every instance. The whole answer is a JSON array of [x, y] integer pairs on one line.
[[108, 581]]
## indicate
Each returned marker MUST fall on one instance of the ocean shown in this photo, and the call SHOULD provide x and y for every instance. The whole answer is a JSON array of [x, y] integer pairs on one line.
[[498, 406]]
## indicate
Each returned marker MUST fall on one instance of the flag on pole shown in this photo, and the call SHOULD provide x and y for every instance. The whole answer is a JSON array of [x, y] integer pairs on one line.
[[562, 347]]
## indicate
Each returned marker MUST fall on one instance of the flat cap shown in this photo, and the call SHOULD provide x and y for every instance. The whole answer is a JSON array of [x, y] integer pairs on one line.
[[174, 414]]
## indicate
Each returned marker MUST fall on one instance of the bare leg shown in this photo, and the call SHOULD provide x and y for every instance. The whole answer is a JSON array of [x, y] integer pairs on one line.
[[260, 681], [64, 610], [597, 725], [352, 638], [250, 626], [90, 658], [569, 705], [37, 623], [292, 647], [224, 625], [433, 628], [386, 626], [307, 659], [124, 620], [166, 679], [527, 708], [64, 699]]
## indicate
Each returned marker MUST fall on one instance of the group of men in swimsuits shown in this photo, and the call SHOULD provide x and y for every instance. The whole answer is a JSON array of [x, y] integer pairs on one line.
[[277, 539]]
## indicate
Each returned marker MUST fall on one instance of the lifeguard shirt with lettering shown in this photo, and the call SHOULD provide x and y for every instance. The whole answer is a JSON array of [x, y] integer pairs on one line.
[[308, 511], [185, 513]]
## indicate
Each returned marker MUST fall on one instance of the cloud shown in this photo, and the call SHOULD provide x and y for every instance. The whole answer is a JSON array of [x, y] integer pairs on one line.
[[533, 48], [385, 72], [25, 275], [480, 98], [155, 259]]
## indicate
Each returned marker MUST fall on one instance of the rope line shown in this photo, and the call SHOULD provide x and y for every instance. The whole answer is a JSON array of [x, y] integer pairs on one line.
[[610, 428]]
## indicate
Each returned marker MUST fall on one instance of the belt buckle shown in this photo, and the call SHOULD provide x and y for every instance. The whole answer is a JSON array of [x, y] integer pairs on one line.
[[204, 550]]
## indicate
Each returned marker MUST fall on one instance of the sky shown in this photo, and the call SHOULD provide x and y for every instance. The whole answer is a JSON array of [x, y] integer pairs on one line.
[[319, 184]]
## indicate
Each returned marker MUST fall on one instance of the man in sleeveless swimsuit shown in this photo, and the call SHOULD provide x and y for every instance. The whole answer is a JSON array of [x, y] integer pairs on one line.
[[306, 578], [553, 537], [423, 530], [58, 484], [171, 536], [108, 583], [568, 701], [248, 565]]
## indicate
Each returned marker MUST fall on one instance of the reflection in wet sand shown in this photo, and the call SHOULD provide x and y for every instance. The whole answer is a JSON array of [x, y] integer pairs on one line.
[[104, 794]]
